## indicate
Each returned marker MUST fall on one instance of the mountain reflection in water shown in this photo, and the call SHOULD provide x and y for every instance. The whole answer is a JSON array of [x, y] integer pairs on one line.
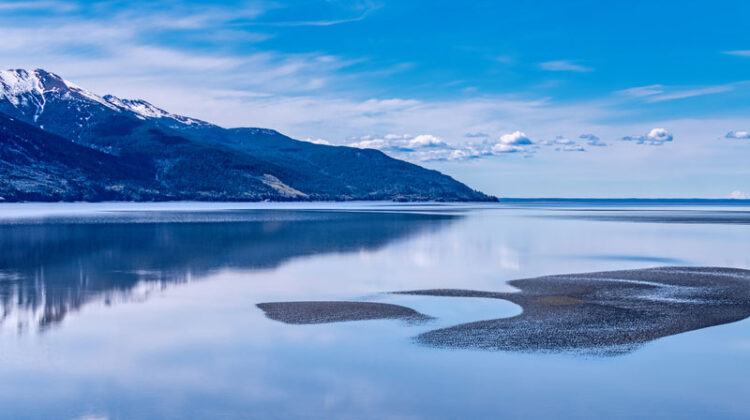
[[52, 266]]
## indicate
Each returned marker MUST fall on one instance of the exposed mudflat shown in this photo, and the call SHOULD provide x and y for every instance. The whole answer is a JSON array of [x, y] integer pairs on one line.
[[608, 312], [601, 313], [326, 312]]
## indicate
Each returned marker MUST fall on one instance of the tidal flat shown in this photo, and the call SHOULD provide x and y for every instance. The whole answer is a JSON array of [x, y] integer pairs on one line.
[[604, 313]]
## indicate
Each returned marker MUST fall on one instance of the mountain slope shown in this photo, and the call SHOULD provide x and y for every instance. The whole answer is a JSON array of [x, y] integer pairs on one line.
[[180, 158], [39, 166]]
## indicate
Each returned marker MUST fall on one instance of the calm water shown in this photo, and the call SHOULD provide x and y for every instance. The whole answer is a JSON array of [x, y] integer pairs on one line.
[[127, 311]]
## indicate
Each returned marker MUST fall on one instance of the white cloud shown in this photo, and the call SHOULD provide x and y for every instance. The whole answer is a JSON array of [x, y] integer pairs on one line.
[[422, 147], [516, 138], [426, 140], [505, 148], [515, 142], [426, 147], [734, 134], [563, 144], [659, 135], [738, 195], [592, 140], [655, 137], [564, 65]]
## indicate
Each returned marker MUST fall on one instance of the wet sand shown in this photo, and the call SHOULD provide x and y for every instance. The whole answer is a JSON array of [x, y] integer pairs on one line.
[[606, 312], [326, 312], [598, 313]]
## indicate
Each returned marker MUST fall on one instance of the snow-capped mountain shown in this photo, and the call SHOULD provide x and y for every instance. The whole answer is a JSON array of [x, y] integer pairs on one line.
[[28, 91], [61, 142], [25, 95]]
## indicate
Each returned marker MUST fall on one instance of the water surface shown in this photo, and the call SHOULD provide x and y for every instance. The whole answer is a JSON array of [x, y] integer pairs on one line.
[[143, 311]]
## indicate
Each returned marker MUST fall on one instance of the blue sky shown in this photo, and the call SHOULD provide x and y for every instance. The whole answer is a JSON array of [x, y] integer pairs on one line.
[[496, 94]]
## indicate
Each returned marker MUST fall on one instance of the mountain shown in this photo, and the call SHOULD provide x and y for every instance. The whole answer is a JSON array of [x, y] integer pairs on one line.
[[61, 142]]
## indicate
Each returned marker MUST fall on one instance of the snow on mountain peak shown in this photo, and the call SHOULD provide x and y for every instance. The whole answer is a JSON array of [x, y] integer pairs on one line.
[[145, 110], [14, 83], [21, 87], [140, 107], [27, 89]]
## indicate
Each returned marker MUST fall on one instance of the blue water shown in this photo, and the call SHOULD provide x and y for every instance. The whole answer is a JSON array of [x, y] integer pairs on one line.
[[130, 311]]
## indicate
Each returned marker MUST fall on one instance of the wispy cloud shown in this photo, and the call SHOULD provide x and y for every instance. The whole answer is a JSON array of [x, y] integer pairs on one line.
[[116, 50], [564, 65], [505, 59], [689, 93], [641, 91], [361, 10], [317, 22], [44, 6], [661, 93], [741, 53]]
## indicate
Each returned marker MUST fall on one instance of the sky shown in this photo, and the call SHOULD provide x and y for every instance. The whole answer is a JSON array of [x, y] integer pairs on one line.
[[517, 99]]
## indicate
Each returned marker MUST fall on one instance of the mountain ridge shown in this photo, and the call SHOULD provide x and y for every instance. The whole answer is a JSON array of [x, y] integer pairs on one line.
[[163, 156]]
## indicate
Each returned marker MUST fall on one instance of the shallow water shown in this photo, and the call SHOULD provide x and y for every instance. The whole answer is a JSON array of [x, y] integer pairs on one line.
[[143, 311]]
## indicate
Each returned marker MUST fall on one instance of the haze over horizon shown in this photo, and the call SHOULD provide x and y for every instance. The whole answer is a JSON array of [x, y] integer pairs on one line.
[[581, 99]]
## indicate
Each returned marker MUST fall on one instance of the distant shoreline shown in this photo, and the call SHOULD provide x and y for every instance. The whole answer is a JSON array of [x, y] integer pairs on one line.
[[498, 201], [541, 200], [705, 201]]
